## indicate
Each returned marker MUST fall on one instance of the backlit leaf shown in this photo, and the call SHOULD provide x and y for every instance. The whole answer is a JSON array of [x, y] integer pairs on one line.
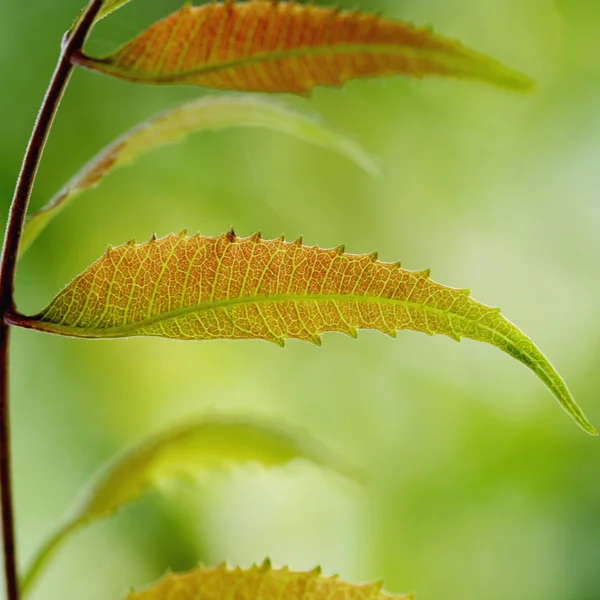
[[212, 113], [202, 288], [260, 583], [211, 443], [289, 47], [110, 6]]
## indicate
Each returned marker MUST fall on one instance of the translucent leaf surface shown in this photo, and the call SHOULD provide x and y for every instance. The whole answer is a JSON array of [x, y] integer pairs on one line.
[[289, 47], [203, 288], [110, 6], [212, 113], [260, 583], [209, 444]]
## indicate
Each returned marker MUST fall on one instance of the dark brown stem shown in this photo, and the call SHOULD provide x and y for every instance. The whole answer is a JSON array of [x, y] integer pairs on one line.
[[72, 44], [8, 530]]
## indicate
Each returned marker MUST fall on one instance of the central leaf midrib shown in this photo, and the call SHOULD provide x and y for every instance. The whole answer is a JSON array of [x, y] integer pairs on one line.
[[452, 53], [226, 303]]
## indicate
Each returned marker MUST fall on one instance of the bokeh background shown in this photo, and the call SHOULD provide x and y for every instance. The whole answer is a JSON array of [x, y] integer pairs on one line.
[[480, 487]]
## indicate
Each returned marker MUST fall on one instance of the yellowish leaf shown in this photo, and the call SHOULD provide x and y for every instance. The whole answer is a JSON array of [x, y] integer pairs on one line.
[[260, 583], [203, 288], [211, 113]]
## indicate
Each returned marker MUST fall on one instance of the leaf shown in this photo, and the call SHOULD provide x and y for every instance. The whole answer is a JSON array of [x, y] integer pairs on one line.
[[260, 583], [211, 113], [110, 6], [212, 443], [273, 46], [202, 288]]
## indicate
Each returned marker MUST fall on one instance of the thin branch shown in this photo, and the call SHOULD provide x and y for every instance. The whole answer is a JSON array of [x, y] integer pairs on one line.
[[72, 44]]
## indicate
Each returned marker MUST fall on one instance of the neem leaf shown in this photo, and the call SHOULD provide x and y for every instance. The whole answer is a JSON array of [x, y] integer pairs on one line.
[[277, 46], [203, 288], [110, 6], [259, 583], [211, 443], [211, 113]]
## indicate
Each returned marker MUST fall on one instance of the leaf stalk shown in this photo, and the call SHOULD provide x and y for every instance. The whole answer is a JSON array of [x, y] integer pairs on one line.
[[71, 44]]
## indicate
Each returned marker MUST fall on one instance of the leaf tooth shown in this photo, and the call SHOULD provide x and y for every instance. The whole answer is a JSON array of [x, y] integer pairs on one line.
[[183, 233], [397, 265], [231, 236], [425, 274], [109, 250], [317, 570], [315, 339], [341, 249], [257, 237], [281, 239], [351, 332], [266, 565], [454, 336], [392, 333], [298, 242], [152, 238], [374, 256]]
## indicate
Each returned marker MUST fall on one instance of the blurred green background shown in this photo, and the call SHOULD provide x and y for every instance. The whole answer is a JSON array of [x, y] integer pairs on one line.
[[480, 486]]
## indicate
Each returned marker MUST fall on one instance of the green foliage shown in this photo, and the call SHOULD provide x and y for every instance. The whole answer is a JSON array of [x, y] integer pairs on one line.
[[210, 443], [206, 288], [211, 113]]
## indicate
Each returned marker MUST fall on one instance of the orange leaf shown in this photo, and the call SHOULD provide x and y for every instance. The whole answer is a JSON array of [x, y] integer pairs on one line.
[[203, 288], [273, 46]]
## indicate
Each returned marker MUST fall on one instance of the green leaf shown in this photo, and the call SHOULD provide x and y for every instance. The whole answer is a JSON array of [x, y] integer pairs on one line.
[[203, 288], [212, 443], [260, 583], [110, 6], [211, 113]]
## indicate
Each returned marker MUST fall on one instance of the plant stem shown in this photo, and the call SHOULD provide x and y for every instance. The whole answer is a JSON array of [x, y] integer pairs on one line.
[[72, 44], [8, 532]]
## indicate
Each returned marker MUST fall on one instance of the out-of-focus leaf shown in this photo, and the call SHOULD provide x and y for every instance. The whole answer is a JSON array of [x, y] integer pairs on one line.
[[203, 288], [290, 47], [110, 6], [211, 443], [212, 113], [260, 583]]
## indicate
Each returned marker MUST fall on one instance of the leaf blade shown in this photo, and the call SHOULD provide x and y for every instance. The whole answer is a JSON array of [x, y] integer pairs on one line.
[[260, 583], [288, 47], [248, 288], [174, 125], [110, 6], [211, 443]]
